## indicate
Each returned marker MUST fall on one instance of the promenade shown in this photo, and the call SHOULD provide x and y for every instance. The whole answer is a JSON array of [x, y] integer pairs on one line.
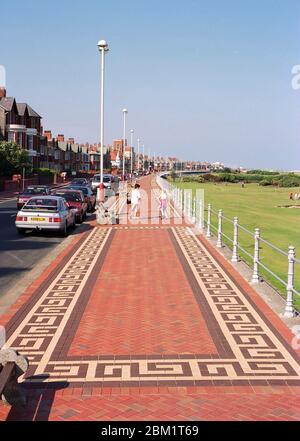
[[145, 320]]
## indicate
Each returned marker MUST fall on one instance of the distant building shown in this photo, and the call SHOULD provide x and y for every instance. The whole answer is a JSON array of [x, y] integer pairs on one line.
[[21, 124]]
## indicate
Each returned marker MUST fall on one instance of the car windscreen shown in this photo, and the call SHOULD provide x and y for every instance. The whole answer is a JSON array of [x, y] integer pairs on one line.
[[30, 191], [84, 190], [106, 179], [70, 197], [41, 204], [96, 178]]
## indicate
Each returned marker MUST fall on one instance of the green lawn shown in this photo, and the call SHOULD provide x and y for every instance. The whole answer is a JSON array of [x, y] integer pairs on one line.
[[257, 206]]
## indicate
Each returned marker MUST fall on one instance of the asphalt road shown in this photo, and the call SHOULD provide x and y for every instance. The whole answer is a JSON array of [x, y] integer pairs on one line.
[[19, 254]]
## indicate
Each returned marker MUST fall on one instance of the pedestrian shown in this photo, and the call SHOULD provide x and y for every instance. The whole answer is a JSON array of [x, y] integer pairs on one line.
[[163, 199], [291, 195], [135, 201]]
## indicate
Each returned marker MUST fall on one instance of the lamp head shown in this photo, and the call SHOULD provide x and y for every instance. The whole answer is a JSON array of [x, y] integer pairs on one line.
[[125, 111], [102, 45], [131, 131]]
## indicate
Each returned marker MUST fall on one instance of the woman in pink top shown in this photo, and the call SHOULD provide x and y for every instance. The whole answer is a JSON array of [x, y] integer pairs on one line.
[[163, 202]]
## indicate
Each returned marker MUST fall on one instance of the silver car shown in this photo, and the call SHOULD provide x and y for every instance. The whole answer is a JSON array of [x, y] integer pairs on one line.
[[110, 182], [46, 213]]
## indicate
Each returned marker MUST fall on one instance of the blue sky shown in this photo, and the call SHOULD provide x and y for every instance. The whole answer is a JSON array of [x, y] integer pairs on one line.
[[206, 80]]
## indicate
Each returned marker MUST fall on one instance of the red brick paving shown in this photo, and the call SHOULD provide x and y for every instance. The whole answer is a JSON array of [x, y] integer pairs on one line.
[[127, 304], [132, 313], [200, 405]]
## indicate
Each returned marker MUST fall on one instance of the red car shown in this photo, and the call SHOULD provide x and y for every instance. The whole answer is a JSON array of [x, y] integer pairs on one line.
[[76, 200], [31, 191], [89, 196]]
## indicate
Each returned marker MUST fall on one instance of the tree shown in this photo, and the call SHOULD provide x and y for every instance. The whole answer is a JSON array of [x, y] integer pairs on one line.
[[12, 158]]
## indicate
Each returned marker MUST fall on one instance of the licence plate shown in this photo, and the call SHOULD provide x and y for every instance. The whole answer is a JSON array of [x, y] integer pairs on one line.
[[38, 219]]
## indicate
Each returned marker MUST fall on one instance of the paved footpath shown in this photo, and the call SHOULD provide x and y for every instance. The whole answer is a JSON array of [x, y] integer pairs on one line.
[[147, 321]]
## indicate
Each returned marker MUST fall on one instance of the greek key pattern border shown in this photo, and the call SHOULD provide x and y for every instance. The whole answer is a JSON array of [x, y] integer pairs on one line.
[[248, 350]]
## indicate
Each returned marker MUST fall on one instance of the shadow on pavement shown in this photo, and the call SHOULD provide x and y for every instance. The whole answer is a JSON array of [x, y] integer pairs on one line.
[[39, 399]]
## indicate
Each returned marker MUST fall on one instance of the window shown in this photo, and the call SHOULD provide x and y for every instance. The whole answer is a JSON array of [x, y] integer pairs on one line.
[[30, 142], [20, 139]]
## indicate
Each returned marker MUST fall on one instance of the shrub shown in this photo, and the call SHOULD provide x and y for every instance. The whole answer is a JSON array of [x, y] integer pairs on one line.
[[265, 182]]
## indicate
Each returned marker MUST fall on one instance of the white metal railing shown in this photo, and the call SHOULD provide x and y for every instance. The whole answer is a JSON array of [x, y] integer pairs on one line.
[[193, 211]]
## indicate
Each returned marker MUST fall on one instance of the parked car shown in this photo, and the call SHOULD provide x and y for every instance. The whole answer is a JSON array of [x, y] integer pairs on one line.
[[81, 181], [95, 182], [110, 182], [29, 192], [75, 200], [45, 213], [89, 196]]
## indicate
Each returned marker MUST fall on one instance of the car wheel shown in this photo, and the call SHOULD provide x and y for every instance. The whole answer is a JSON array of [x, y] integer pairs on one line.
[[84, 216], [21, 231], [89, 207], [80, 219]]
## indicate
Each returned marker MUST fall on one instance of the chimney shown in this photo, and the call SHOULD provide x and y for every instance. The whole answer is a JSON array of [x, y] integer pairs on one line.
[[2, 92], [60, 138], [48, 134], [71, 141]]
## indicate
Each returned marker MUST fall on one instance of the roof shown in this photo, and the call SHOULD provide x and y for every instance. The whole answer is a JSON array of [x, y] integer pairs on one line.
[[7, 103], [51, 197], [32, 112], [21, 108]]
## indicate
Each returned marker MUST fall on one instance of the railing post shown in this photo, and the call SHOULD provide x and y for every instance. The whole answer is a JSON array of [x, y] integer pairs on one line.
[[219, 241], [208, 233], [180, 200], [194, 217], [235, 256], [255, 275], [201, 214], [289, 308]]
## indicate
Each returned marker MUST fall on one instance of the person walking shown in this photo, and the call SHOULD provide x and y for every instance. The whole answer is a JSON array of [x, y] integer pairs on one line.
[[163, 199], [135, 201]]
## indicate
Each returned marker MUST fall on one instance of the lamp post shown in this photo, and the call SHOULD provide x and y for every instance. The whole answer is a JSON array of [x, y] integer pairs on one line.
[[138, 143], [125, 111], [143, 157], [103, 47], [131, 151]]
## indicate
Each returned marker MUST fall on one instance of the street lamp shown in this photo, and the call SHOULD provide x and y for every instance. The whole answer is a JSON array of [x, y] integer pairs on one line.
[[125, 111], [138, 143], [103, 47], [131, 151], [143, 157]]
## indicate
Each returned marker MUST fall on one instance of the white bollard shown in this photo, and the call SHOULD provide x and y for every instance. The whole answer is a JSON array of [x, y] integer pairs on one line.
[[208, 232], [219, 241], [235, 256], [255, 275], [289, 308]]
